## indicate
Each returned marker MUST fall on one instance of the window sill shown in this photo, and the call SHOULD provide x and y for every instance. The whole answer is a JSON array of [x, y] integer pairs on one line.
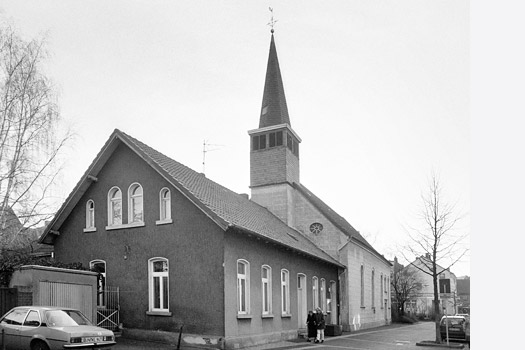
[[91, 229], [286, 315], [159, 313], [163, 222], [267, 316], [244, 316], [118, 227]]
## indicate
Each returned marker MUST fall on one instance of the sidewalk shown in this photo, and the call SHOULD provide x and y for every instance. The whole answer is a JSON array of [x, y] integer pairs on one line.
[[124, 343]]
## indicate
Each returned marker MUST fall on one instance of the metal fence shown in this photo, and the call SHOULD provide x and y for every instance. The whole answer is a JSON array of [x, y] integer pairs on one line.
[[108, 308]]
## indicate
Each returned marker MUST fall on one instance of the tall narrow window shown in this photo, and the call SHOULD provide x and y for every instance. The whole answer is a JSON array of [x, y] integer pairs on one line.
[[165, 205], [323, 294], [114, 207], [135, 204], [315, 292], [99, 266], [243, 287], [381, 290], [266, 278], [373, 283], [158, 284], [90, 215], [362, 286], [285, 292]]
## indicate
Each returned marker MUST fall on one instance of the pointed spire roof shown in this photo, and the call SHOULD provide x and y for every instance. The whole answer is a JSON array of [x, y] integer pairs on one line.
[[274, 110]]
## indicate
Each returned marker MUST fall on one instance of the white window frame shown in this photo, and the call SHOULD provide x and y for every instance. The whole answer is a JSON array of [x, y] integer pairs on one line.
[[323, 294], [315, 292], [362, 286], [111, 200], [132, 203], [164, 207], [164, 278], [266, 290], [285, 292], [243, 294], [90, 216]]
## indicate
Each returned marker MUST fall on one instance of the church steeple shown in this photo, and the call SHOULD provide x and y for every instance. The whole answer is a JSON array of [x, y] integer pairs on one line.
[[274, 150], [274, 110]]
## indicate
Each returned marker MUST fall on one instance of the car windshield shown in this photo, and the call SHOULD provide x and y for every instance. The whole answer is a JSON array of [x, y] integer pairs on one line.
[[66, 318], [453, 320]]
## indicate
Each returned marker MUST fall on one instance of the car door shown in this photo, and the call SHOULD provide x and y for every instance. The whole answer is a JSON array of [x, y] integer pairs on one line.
[[29, 328], [11, 324]]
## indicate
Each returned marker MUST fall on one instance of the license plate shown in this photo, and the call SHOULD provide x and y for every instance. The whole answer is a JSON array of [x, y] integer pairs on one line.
[[92, 339]]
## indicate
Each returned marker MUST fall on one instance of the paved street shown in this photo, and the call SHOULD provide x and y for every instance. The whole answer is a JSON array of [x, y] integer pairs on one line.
[[399, 337]]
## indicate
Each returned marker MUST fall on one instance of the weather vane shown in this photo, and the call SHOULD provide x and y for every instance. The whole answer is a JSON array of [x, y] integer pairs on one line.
[[272, 21]]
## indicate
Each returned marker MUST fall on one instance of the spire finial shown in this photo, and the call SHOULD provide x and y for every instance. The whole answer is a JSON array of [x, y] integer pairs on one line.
[[272, 21]]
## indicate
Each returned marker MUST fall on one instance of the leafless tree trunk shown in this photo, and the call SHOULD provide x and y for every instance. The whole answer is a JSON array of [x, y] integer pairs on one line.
[[31, 139], [406, 284], [438, 241]]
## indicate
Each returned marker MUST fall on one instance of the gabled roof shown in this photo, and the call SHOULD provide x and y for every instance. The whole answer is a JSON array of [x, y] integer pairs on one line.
[[337, 220], [229, 210], [274, 110]]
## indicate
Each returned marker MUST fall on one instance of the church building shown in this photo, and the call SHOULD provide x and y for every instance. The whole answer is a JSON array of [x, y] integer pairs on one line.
[[229, 271]]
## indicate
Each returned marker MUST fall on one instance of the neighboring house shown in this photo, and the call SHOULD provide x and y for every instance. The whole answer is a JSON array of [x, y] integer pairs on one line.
[[233, 271], [447, 289], [463, 294]]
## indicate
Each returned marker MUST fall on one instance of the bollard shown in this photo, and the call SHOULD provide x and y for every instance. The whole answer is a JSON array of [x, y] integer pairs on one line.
[[180, 335], [3, 338]]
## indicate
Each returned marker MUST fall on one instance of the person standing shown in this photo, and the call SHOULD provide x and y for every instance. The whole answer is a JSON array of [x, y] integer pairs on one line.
[[312, 327], [320, 324]]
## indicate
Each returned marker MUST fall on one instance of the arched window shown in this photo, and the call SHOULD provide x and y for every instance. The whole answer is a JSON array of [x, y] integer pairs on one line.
[[165, 205], [135, 204], [315, 292], [243, 287], [362, 286], [90, 215], [285, 292], [114, 207], [158, 284], [99, 266], [323, 294], [266, 279]]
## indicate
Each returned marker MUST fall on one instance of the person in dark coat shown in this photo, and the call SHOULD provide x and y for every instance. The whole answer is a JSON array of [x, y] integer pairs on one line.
[[320, 324], [312, 327]]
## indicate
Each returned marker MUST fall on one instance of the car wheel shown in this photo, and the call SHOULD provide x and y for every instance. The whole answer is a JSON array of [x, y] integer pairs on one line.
[[39, 345]]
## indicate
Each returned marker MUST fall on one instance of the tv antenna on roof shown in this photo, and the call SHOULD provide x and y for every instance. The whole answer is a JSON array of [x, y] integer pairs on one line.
[[206, 149]]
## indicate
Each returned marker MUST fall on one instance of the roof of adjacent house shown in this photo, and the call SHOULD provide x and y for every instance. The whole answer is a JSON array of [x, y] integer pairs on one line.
[[337, 220], [230, 210]]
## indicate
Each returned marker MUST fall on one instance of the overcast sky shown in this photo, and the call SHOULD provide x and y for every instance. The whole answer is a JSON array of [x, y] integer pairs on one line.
[[377, 90]]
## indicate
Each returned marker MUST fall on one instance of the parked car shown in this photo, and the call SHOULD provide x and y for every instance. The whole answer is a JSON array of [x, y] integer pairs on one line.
[[49, 328], [458, 328]]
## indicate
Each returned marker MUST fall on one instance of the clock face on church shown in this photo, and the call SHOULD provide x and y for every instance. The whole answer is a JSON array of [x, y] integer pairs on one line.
[[316, 228]]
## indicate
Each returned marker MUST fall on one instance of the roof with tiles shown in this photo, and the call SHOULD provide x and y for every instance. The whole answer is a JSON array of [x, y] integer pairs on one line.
[[234, 209], [227, 208], [336, 219]]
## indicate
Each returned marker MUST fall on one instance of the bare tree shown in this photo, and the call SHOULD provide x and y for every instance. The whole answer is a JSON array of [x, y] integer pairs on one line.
[[31, 137], [438, 239], [406, 284]]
